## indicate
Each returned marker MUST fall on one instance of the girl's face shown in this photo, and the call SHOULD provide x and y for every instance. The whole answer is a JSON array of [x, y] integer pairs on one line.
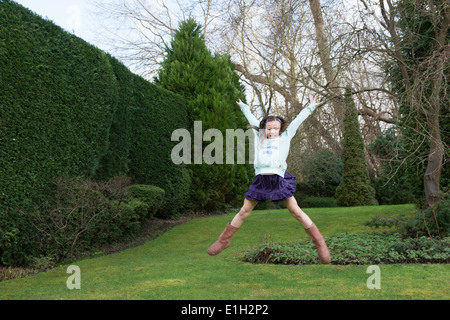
[[273, 129]]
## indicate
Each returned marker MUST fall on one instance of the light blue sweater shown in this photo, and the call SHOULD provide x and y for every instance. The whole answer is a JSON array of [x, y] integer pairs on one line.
[[270, 156]]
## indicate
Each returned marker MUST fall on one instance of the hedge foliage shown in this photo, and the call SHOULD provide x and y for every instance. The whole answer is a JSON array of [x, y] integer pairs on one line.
[[317, 202], [68, 109]]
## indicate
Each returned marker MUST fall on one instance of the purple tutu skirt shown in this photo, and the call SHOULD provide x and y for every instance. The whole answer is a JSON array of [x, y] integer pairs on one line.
[[271, 187]]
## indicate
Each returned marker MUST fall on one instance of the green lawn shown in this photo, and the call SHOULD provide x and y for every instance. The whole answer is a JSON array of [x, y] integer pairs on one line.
[[176, 266]]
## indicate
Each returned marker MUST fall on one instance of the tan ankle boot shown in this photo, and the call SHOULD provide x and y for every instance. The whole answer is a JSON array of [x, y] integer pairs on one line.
[[319, 242], [224, 240]]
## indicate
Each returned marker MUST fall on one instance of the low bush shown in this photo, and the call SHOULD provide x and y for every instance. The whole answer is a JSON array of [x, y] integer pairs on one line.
[[83, 215], [146, 199], [369, 248]]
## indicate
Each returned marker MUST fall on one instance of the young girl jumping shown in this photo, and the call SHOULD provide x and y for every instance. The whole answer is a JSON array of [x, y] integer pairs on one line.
[[272, 140]]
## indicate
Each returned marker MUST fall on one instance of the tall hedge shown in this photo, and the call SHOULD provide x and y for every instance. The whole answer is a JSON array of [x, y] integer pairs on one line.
[[155, 115], [115, 161], [140, 138], [69, 109], [57, 97]]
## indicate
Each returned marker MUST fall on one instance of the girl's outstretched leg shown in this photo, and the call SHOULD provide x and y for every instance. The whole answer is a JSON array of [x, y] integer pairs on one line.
[[243, 214], [310, 228], [224, 239]]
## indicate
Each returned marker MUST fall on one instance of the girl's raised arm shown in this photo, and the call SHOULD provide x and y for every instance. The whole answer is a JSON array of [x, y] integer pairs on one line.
[[305, 113], [248, 114]]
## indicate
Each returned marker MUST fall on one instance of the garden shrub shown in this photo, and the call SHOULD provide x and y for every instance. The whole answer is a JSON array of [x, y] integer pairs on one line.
[[83, 215], [302, 191], [434, 220], [146, 199], [79, 217], [323, 173]]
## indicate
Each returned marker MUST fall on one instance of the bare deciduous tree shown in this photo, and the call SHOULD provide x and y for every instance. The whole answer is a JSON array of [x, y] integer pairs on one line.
[[284, 50], [423, 80]]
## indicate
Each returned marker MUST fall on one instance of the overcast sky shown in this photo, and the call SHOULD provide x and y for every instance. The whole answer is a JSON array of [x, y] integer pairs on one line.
[[75, 16]]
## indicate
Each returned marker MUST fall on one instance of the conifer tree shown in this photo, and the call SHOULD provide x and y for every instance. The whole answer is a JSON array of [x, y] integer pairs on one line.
[[354, 189], [212, 88]]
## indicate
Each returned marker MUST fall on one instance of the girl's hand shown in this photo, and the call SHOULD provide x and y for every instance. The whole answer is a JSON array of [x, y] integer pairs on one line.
[[313, 99], [239, 101]]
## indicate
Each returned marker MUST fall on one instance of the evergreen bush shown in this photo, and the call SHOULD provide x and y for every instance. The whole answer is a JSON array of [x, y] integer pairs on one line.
[[149, 197], [355, 188], [323, 173], [212, 88]]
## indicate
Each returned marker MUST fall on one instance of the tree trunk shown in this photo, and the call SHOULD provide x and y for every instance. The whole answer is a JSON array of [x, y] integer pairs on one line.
[[434, 165], [436, 154], [325, 58]]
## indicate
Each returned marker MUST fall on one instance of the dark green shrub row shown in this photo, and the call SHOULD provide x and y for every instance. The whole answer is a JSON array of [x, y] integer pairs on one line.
[[323, 174], [433, 221], [140, 139], [369, 248], [315, 202], [82, 215], [68, 109]]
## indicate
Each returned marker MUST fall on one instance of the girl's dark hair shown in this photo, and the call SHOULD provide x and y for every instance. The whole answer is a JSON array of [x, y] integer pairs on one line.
[[262, 124]]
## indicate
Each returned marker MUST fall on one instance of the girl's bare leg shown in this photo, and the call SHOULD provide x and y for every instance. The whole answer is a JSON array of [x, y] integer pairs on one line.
[[243, 214], [310, 228], [224, 239], [298, 213]]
